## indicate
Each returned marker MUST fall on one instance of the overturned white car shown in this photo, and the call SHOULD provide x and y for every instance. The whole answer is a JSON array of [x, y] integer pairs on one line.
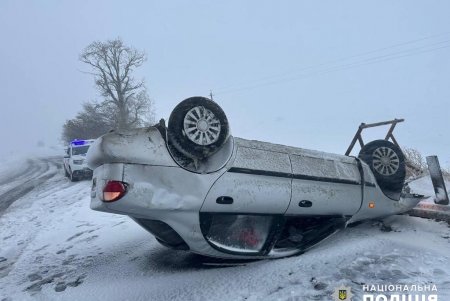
[[196, 187]]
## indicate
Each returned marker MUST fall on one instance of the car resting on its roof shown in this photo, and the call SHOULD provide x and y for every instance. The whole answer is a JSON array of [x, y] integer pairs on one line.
[[196, 187]]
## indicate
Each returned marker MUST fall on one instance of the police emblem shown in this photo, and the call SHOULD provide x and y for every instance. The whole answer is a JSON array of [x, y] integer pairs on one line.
[[343, 293]]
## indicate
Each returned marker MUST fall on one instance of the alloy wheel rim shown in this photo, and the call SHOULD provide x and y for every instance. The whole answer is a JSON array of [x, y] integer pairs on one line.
[[385, 161], [201, 126]]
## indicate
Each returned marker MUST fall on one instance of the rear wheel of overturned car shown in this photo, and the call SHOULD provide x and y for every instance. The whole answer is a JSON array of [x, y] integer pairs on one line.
[[387, 163], [198, 127]]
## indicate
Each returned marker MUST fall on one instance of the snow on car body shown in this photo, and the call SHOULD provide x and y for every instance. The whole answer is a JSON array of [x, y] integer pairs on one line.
[[246, 199]]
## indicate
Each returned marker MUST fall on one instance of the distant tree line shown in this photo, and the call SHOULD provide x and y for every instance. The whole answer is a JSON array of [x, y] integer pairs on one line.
[[125, 103]]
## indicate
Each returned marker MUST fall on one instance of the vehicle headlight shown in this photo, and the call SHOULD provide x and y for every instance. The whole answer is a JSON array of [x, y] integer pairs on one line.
[[78, 162]]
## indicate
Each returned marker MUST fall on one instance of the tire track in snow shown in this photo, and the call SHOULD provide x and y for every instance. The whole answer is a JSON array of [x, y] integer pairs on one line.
[[20, 172], [37, 176], [38, 172]]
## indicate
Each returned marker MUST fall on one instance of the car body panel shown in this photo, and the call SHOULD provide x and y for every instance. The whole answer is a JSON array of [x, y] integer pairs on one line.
[[327, 198], [250, 194], [261, 159], [142, 146]]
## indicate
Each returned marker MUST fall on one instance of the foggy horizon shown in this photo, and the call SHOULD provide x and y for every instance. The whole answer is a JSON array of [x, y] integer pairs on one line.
[[296, 73]]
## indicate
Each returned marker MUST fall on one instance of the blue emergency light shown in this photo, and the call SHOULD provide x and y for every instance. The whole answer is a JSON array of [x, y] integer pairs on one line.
[[79, 142]]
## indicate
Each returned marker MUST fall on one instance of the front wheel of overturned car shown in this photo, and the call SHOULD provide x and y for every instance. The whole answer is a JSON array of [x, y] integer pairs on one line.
[[387, 163], [198, 127]]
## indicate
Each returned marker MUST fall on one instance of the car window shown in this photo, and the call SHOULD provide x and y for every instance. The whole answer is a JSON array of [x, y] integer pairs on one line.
[[80, 150]]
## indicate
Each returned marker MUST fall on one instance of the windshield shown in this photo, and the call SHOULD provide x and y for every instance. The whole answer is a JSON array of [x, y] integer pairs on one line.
[[80, 150]]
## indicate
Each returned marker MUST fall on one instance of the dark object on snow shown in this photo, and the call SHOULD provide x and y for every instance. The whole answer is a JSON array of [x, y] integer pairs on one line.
[[438, 180]]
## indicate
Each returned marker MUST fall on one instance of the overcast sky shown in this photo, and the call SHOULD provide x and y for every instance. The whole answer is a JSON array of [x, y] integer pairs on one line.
[[302, 73]]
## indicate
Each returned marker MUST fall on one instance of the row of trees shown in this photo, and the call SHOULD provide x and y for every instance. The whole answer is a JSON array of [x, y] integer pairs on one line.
[[125, 103]]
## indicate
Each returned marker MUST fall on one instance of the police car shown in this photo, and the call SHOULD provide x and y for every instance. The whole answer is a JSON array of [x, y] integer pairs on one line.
[[196, 187], [75, 166]]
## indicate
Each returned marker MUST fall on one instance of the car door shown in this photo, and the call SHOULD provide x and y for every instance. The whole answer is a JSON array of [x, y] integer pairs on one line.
[[259, 181], [325, 185], [244, 208]]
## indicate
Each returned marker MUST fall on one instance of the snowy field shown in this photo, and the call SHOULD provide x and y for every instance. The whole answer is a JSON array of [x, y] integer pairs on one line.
[[53, 247]]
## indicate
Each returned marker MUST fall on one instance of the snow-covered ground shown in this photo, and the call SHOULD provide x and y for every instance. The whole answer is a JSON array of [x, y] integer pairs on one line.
[[53, 247], [424, 186]]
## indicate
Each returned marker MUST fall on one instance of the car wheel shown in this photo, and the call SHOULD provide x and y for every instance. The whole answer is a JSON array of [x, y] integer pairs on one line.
[[387, 163], [72, 177], [198, 127]]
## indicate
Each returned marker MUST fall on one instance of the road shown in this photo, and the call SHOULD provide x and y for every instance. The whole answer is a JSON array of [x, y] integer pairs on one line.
[[20, 182]]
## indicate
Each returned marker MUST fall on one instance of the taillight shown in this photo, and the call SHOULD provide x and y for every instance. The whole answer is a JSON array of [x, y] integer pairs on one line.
[[114, 190]]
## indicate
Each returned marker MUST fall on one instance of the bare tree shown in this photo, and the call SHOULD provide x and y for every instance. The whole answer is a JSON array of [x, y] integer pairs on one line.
[[415, 163], [113, 64]]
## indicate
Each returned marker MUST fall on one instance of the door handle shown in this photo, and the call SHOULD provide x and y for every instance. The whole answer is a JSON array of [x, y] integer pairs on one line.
[[305, 203], [224, 200]]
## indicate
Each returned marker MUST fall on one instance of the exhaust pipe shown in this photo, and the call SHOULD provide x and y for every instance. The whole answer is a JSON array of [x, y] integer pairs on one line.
[[438, 180]]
